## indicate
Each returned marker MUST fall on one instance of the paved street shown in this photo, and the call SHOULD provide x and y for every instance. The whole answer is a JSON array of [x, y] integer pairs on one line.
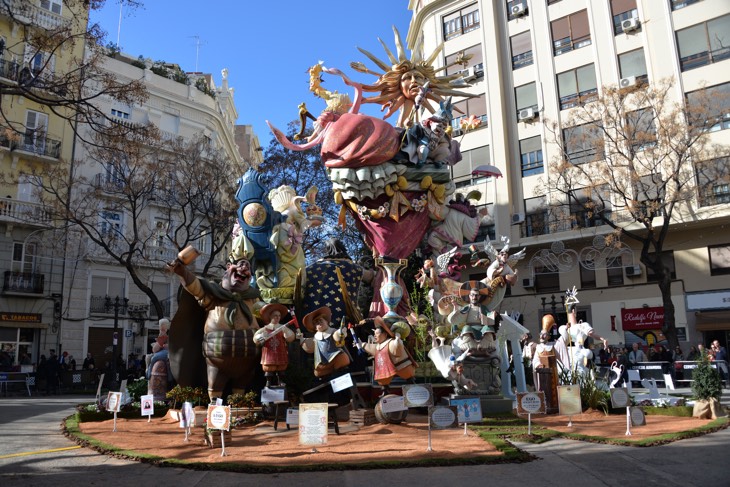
[[34, 452]]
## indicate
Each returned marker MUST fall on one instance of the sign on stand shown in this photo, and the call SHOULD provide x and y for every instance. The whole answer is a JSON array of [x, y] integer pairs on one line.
[[113, 404], [468, 409], [187, 418], [292, 417], [341, 383], [530, 403], [313, 424], [569, 402], [391, 404], [147, 406], [441, 417], [98, 390], [219, 418], [620, 399], [271, 395], [418, 395]]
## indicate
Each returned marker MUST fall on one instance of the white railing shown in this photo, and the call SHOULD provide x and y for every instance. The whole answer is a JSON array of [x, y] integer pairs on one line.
[[12, 210]]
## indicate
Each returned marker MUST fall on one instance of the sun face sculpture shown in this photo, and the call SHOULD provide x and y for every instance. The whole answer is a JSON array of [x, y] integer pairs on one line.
[[408, 84]]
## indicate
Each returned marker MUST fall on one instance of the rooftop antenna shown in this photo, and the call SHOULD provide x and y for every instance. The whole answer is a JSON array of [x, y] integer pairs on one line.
[[119, 26], [198, 43]]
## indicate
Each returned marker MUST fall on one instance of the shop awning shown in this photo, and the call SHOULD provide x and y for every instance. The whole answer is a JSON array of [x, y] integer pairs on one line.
[[22, 324], [712, 320]]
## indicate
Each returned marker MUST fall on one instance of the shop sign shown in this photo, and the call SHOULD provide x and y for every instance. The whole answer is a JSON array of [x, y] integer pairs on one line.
[[642, 318], [21, 317]]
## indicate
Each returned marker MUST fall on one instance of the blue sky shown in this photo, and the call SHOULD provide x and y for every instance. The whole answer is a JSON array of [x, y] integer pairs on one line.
[[266, 45]]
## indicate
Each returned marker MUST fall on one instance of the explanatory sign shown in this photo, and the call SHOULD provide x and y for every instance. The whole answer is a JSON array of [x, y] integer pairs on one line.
[[418, 395], [468, 409], [569, 400], [531, 402], [442, 417], [219, 417], [313, 423]]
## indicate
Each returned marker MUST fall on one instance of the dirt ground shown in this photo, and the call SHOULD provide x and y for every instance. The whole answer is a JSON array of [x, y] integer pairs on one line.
[[261, 445]]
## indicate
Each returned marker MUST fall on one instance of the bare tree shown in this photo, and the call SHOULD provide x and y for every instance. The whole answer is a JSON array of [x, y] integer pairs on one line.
[[630, 159], [148, 200], [302, 170], [57, 62]]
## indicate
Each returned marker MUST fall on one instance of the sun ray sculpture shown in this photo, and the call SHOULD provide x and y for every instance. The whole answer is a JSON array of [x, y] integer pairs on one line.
[[400, 78]]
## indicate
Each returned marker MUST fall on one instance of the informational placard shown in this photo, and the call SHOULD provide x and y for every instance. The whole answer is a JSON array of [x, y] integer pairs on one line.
[[313, 423], [292, 416], [341, 383], [219, 417], [620, 398], [531, 402], [113, 402], [569, 400], [468, 409], [442, 417], [98, 389], [637, 416], [274, 394], [390, 404], [418, 395], [147, 405], [669, 382]]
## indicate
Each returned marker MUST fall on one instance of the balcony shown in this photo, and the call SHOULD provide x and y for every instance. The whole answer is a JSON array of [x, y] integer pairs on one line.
[[23, 283], [541, 224], [16, 211], [23, 12], [35, 142], [166, 306], [703, 58]]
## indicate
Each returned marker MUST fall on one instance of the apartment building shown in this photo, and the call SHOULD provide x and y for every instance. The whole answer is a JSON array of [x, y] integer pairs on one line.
[[532, 62], [32, 137], [183, 107]]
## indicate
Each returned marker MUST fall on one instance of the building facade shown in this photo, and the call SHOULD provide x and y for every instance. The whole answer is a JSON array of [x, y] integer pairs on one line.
[[532, 62], [32, 138]]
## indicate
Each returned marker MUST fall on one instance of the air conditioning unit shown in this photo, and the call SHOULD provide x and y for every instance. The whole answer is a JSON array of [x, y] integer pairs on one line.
[[633, 270], [528, 283], [630, 25], [518, 10], [527, 114], [478, 70], [518, 218], [627, 82]]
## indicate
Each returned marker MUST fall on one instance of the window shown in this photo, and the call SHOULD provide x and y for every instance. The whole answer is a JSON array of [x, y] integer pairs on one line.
[[521, 45], [52, 5], [713, 182], [583, 143], [36, 127], [468, 107], [615, 271], [110, 223], [641, 129], [704, 43], [589, 206], [475, 64], [546, 281], [667, 258], [587, 275], [650, 196], [577, 86], [516, 9], [108, 286], [536, 217], [622, 10], [461, 22], [531, 156], [677, 4], [713, 105], [162, 291], [571, 32], [203, 243], [719, 260], [632, 63], [24, 257], [120, 114], [526, 97], [40, 63], [470, 160]]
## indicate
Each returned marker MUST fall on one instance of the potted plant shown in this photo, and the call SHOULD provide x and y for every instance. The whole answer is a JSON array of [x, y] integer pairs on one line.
[[706, 390], [242, 409], [180, 395]]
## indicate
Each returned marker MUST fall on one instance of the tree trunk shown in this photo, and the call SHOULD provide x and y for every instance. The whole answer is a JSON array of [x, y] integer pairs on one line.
[[669, 330]]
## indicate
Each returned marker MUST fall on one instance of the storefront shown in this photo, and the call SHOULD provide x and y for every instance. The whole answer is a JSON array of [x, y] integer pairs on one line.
[[19, 336], [711, 315], [643, 326]]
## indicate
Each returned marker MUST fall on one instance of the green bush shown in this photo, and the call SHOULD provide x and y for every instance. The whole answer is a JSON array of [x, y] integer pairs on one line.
[[137, 388], [707, 381]]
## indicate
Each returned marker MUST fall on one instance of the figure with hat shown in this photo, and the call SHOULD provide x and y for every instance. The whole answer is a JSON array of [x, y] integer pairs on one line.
[[570, 347], [273, 339], [543, 358], [390, 355], [327, 343], [428, 140], [228, 326], [500, 272]]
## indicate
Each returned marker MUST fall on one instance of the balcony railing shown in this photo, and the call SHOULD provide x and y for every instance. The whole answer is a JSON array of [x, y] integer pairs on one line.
[[570, 101], [37, 143], [522, 60], [24, 12], [12, 210], [23, 282], [702, 58], [165, 310], [567, 44]]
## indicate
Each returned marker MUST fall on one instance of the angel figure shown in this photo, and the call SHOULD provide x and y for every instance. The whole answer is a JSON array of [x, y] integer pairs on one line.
[[500, 271]]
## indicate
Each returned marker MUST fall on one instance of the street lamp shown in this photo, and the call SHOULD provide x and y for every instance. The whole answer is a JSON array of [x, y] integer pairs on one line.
[[117, 305]]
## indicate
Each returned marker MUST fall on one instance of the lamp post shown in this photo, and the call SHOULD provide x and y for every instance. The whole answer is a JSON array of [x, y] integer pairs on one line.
[[117, 305]]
